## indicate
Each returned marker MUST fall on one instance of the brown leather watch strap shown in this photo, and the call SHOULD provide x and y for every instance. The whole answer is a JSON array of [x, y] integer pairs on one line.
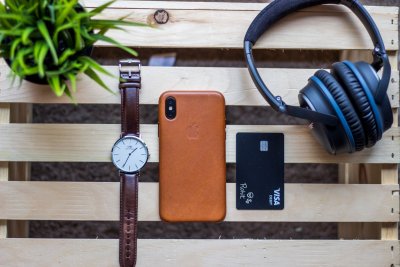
[[128, 219], [129, 88], [129, 111]]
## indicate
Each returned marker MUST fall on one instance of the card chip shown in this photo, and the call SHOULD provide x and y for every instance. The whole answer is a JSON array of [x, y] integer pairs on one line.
[[263, 145]]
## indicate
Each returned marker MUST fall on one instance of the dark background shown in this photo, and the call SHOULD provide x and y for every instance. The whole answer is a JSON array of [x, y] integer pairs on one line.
[[294, 173]]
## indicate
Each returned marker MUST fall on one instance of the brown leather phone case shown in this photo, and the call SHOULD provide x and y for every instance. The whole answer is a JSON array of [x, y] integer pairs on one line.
[[192, 157]]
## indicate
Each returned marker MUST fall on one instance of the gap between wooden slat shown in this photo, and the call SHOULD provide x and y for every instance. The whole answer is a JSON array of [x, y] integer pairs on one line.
[[99, 201], [93, 142], [194, 252], [234, 83]]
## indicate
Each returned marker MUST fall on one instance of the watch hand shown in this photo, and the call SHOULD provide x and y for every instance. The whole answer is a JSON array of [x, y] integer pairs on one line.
[[128, 157], [126, 160]]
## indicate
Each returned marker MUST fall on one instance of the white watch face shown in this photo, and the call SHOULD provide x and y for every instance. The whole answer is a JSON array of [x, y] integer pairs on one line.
[[129, 154]]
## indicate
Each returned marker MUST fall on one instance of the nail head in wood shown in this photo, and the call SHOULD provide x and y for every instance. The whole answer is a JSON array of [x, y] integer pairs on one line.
[[161, 16]]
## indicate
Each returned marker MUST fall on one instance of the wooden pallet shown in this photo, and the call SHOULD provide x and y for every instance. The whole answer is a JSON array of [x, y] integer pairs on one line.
[[365, 204]]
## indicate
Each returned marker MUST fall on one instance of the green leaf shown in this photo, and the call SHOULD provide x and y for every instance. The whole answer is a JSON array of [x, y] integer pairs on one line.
[[64, 56], [103, 31], [100, 9], [11, 6], [31, 70], [97, 23], [5, 23], [15, 17], [40, 61], [93, 75], [45, 33], [20, 57], [36, 50], [52, 13], [72, 78], [117, 44], [66, 11], [32, 8], [11, 32], [82, 16], [25, 35], [59, 29], [61, 71], [70, 96], [56, 87], [78, 39], [96, 66], [14, 46]]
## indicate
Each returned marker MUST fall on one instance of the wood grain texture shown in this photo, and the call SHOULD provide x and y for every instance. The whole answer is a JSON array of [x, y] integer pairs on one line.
[[19, 171], [5, 113], [4, 119], [171, 252], [99, 201], [390, 173], [215, 25], [93, 142], [204, 5], [370, 173], [234, 83], [3, 178]]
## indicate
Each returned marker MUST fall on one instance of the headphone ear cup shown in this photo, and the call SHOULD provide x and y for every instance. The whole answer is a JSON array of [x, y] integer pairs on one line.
[[324, 94], [359, 99], [368, 82], [332, 138], [343, 102], [372, 80]]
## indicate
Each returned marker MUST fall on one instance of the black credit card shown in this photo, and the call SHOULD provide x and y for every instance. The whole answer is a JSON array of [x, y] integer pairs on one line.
[[260, 171]]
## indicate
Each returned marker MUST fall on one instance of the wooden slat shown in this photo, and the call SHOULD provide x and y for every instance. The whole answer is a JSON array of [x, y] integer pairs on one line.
[[93, 142], [3, 177], [4, 119], [234, 83], [370, 173], [359, 174], [214, 25], [19, 171], [171, 252], [4, 113], [91, 201], [390, 175], [198, 5]]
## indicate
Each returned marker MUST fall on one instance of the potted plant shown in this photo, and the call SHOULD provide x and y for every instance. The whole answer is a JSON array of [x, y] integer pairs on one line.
[[50, 41]]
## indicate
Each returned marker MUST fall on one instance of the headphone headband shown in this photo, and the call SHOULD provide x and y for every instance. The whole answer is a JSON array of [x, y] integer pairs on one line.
[[281, 8]]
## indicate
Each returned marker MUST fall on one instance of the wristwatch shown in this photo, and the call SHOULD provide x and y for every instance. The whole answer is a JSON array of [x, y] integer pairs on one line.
[[129, 154]]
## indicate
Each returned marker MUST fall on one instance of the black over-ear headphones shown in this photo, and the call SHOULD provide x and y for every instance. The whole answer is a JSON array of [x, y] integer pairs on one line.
[[349, 107]]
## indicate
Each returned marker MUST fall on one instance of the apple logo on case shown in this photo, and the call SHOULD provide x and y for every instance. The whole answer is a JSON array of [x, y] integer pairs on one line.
[[192, 131]]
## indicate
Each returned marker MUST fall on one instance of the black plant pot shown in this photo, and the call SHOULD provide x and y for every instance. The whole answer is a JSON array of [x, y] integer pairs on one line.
[[87, 51]]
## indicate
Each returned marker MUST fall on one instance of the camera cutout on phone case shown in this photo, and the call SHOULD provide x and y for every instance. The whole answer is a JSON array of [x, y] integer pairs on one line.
[[170, 108]]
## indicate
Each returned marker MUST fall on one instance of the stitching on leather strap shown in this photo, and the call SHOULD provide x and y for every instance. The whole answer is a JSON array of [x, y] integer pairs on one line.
[[123, 115], [136, 215], [137, 111], [121, 219]]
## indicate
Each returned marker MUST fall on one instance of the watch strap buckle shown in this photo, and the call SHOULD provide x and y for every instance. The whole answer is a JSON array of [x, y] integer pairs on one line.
[[129, 71]]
